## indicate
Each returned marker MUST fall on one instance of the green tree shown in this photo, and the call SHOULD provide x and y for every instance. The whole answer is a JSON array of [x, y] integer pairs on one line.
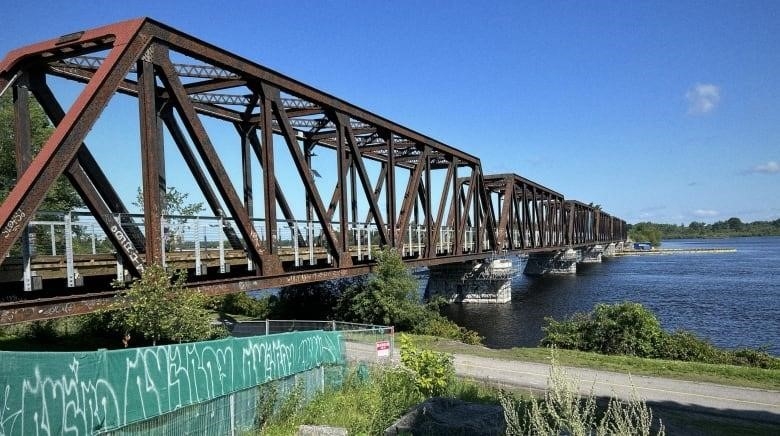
[[734, 224], [62, 196], [174, 204], [159, 308], [388, 296], [311, 300], [646, 232]]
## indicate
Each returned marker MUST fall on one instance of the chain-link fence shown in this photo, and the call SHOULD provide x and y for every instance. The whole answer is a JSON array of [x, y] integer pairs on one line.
[[240, 412]]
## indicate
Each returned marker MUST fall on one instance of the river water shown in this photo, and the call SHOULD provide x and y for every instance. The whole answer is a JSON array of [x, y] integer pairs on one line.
[[730, 299]]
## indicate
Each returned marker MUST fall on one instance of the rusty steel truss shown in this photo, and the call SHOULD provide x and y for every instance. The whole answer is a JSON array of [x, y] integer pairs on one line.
[[427, 199]]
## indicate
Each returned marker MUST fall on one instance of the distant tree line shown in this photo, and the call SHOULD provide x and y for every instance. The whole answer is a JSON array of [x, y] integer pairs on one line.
[[653, 233]]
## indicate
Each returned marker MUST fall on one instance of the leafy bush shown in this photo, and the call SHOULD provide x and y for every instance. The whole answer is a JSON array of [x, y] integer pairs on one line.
[[685, 346], [44, 330], [242, 304], [630, 329], [387, 297], [759, 358], [159, 308], [624, 328], [567, 334], [433, 370], [437, 325]]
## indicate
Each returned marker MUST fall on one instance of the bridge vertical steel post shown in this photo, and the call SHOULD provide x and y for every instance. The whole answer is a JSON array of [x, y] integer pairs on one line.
[[390, 192], [23, 148], [267, 164], [342, 167], [246, 171], [152, 159], [429, 225], [452, 180], [353, 190]]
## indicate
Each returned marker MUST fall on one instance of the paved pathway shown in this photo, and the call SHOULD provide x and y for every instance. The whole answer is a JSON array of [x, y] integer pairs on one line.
[[754, 404]]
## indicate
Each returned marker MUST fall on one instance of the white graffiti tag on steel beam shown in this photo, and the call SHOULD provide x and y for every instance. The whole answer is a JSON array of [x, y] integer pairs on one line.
[[14, 223], [127, 245]]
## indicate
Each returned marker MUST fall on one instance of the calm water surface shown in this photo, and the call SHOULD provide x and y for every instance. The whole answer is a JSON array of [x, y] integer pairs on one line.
[[731, 299]]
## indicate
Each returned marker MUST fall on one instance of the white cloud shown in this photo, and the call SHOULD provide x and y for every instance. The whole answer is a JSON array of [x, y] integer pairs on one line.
[[705, 213], [770, 167], [702, 98]]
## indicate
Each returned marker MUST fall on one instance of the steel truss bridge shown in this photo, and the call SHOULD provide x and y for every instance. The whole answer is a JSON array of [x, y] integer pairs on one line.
[[392, 185]]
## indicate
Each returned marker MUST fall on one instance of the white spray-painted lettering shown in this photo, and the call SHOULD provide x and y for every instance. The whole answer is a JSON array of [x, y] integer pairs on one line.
[[127, 245], [14, 223]]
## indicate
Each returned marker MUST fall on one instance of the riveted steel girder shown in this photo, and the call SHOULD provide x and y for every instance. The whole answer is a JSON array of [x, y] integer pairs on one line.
[[399, 177]]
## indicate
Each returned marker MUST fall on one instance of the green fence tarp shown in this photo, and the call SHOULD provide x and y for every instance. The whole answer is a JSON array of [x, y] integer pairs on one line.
[[84, 392]]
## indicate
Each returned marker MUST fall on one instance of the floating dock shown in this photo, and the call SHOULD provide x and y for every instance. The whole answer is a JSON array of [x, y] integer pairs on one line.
[[675, 251]]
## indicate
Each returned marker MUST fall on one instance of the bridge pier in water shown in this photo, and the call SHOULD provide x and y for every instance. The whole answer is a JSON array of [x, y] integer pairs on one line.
[[555, 262], [482, 282], [591, 254]]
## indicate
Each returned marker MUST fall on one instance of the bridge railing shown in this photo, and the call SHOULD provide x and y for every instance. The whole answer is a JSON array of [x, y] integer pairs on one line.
[[71, 243]]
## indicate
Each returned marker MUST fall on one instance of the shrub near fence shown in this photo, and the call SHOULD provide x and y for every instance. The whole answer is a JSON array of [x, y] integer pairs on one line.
[[89, 392]]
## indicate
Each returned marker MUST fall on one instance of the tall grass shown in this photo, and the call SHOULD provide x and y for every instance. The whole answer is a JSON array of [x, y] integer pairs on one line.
[[563, 411]]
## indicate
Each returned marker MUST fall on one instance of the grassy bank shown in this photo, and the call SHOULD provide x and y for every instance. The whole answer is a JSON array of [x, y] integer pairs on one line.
[[692, 371]]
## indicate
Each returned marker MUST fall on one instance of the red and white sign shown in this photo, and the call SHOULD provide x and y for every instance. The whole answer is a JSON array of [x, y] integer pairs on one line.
[[382, 348]]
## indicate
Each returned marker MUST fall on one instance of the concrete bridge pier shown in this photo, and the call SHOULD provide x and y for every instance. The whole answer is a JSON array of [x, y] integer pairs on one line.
[[611, 249], [483, 282], [591, 254], [558, 262]]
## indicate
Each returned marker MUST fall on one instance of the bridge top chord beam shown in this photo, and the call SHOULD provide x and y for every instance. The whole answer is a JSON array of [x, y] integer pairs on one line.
[[497, 182]]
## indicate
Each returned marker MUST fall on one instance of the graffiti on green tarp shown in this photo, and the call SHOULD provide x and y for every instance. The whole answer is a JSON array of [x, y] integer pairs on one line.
[[81, 393]]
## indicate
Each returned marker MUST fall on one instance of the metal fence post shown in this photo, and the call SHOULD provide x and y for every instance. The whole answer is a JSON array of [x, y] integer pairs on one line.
[[419, 241], [310, 227], [359, 246], [232, 400], [69, 252], [295, 245], [410, 240], [221, 245], [266, 326], [26, 261], [368, 245], [92, 227], [198, 266], [53, 242], [120, 269]]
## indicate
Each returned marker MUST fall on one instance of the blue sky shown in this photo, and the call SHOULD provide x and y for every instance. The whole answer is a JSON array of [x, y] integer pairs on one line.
[[661, 111]]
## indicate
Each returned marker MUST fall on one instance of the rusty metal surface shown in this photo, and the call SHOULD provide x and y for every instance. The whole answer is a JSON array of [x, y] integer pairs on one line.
[[141, 59]]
